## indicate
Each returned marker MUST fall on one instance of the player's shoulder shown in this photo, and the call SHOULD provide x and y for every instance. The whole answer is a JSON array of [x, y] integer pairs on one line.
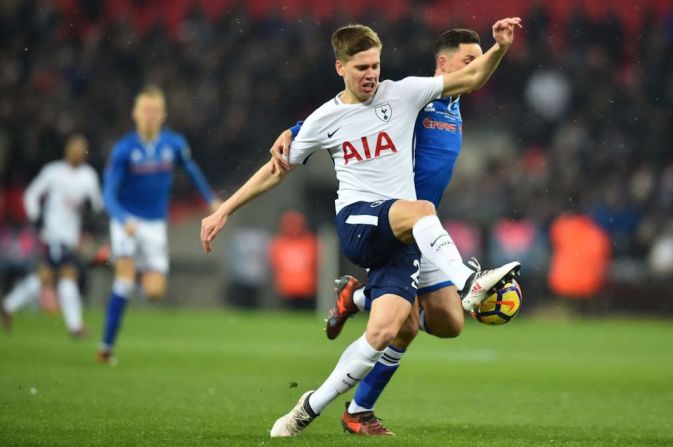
[[126, 142], [89, 170], [171, 136], [53, 167]]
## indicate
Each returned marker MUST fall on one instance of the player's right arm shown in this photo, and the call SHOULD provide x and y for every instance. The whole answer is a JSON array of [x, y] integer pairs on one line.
[[477, 72], [37, 188], [115, 171], [280, 150], [260, 182]]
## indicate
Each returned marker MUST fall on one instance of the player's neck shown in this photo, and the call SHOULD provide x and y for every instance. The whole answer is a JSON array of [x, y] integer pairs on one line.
[[148, 136], [347, 97]]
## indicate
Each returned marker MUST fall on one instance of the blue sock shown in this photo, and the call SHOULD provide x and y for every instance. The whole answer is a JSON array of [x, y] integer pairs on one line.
[[115, 310], [373, 384], [116, 304]]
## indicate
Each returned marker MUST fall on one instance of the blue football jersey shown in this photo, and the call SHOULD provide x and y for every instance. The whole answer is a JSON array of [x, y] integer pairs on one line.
[[139, 175], [439, 136]]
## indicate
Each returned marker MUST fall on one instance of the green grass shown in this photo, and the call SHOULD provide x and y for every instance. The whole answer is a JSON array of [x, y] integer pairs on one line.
[[220, 378]]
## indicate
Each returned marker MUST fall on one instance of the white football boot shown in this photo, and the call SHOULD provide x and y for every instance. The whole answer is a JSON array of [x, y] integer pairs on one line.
[[296, 420], [484, 282]]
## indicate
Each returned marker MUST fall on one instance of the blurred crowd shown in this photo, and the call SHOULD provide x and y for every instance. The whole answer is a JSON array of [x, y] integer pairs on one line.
[[578, 119]]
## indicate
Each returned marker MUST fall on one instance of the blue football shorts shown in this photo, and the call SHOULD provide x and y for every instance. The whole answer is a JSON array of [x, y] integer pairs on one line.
[[368, 241]]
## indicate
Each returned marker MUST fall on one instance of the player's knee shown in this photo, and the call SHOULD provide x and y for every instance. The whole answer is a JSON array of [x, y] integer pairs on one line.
[[154, 291], [154, 286], [380, 337], [425, 208], [69, 272]]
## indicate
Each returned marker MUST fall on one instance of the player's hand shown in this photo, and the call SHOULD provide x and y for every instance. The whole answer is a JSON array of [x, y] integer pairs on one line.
[[503, 30], [280, 151], [130, 227], [210, 226]]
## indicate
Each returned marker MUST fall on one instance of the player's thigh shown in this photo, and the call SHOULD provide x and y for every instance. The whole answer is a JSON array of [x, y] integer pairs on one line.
[[154, 284], [405, 213], [122, 244], [386, 318], [444, 315]]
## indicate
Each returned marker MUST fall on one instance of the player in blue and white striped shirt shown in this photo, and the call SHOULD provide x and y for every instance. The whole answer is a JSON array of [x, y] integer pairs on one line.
[[136, 191]]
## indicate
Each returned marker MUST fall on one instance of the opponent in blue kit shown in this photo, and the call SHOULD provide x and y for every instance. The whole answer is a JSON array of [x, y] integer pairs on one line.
[[438, 140], [136, 191]]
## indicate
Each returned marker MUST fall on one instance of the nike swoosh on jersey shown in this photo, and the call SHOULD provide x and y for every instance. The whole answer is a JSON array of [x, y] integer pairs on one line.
[[330, 134]]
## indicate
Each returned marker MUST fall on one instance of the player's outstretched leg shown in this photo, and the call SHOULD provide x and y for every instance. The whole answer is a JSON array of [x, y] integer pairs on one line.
[[121, 290], [344, 306], [296, 420], [482, 283]]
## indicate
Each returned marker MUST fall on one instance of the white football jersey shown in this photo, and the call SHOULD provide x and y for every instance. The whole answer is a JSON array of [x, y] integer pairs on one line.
[[64, 188], [371, 143]]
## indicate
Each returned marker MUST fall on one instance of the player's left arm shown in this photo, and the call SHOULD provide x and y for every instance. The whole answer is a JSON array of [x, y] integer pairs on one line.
[[260, 182], [477, 73], [196, 175]]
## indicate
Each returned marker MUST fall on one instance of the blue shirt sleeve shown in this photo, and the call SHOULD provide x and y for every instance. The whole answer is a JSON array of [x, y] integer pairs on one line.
[[115, 170], [295, 129], [193, 171]]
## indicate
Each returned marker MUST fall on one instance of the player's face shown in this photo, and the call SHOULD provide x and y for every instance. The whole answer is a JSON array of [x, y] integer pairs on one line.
[[361, 74], [76, 151], [459, 58], [149, 114]]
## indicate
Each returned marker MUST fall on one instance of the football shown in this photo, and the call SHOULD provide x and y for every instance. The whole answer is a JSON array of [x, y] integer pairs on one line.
[[501, 306]]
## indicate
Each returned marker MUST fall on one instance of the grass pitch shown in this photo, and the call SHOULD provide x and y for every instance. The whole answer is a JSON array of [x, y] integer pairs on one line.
[[221, 378]]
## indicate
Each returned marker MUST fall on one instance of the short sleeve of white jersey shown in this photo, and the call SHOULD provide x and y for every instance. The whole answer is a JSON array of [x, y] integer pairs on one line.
[[308, 140], [419, 91]]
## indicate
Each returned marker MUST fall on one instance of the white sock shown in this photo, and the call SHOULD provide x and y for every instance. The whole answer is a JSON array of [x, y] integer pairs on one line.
[[359, 298], [24, 293], [436, 245], [391, 358], [71, 305], [356, 361]]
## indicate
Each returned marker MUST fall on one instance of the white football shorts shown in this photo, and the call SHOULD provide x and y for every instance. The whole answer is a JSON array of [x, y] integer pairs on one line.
[[431, 278], [148, 246]]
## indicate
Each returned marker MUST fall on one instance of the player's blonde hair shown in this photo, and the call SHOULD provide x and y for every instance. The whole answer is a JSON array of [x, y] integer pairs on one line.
[[151, 91], [351, 39]]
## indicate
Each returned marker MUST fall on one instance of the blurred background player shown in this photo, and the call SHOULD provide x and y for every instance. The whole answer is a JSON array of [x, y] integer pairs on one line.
[[137, 186], [438, 137], [293, 255], [55, 200]]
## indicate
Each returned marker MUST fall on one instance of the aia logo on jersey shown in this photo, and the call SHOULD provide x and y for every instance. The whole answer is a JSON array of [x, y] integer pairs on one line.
[[362, 151], [384, 112]]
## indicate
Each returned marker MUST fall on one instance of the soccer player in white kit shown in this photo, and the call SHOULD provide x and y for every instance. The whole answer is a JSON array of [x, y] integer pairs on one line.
[[368, 131], [65, 186]]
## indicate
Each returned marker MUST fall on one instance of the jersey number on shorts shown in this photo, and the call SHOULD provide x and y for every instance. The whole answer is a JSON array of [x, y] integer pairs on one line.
[[414, 276]]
